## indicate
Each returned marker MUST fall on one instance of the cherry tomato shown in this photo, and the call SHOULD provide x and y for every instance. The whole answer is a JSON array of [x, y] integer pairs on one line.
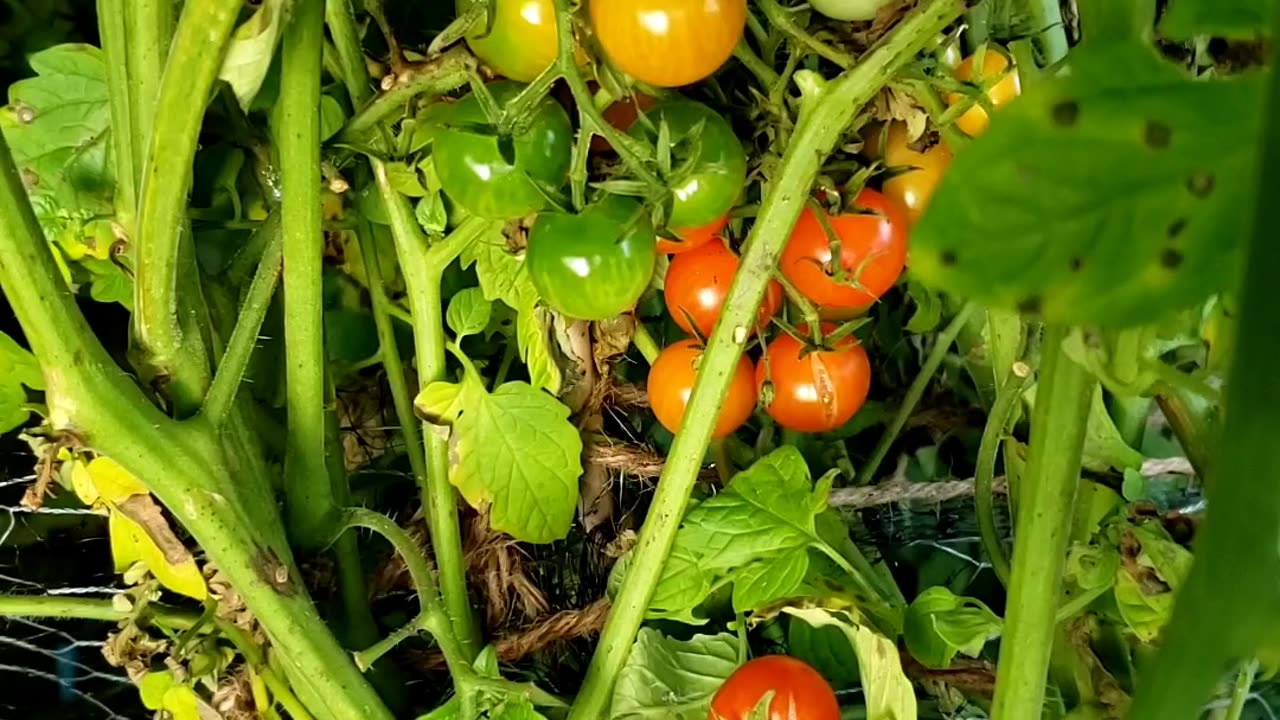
[[994, 62], [622, 114], [913, 188], [472, 169], [800, 693], [690, 238], [668, 43], [671, 382], [697, 283], [593, 265], [873, 251], [521, 41], [710, 168], [814, 389], [848, 9]]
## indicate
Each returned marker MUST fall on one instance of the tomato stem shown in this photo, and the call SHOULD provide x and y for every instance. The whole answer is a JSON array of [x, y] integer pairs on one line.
[[341, 19], [645, 343], [437, 76], [126, 141], [819, 128], [1063, 395], [780, 18], [999, 418]]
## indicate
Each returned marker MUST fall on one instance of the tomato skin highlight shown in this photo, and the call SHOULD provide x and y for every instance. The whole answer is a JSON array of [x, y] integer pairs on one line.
[[814, 391], [873, 250], [800, 692], [521, 43], [716, 174], [692, 238], [596, 264], [668, 43], [912, 189], [671, 381], [697, 284], [974, 121], [473, 172]]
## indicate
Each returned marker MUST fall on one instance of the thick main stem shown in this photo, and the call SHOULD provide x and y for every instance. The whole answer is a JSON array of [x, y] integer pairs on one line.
[[1058, 423], [817, 132], [422, 276]]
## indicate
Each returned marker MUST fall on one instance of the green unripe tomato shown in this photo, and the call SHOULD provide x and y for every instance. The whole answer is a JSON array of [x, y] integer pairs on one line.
[[848, 9], [521, 41], [596, 264], [471, 165], [714, 176]]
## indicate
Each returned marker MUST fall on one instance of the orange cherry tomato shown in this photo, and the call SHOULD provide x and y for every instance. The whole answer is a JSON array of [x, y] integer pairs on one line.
[[913, 188], [697, 283], [668, 43], [799, 692], [621, 115], [873, 252], [994, 62], [691, 238], [671, 382], [814, 389]]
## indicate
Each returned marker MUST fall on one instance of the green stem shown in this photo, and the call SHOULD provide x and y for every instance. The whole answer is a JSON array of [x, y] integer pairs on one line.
[[76, 608], [437, 76], [781, 19], [423, 269], [126, 142], [1044, 518], [1189, 419], [198, 47], [765, 75], [816, 133], [1226, 607], [1240, 691], [915, 392], [645, 343], [998, 421], [341, 19], [150, 27], [257, 300], [401, 397], [1049, 40], [308, 492], [424, 581]]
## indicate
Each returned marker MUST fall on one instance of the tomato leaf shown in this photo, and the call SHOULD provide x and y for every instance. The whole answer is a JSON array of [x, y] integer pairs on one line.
[[1186, 19], [888, 693], [503, 275], [1104, 448], [18, 367], [826, 649], [252, 47], [533, 337], [139, 522], [674, 679], [519, 455], [405, 179], [940, 624], [431, 214], [468, 312], [1148, 224], [765, 581]]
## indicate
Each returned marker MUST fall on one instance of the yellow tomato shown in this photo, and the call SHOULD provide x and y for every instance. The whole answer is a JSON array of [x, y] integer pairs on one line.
[[994, 62], [521, 42], [913, 188], [668, 43]]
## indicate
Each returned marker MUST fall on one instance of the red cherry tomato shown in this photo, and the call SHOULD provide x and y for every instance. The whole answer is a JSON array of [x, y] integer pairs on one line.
[[698, 282], [668, 43], [814, 389], [671, 382], [873, 251], [800, 693], [691, 238]]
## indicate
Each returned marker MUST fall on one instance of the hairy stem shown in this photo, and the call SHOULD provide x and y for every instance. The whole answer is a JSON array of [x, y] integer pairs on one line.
[[78, 608], [817, 132], [422, 272], [308, 492], [126, 142], [1040, 539], [780, 18], [998, 421], [150, 27], [437, 76], [244, 337], [942, 345], [341, 19]]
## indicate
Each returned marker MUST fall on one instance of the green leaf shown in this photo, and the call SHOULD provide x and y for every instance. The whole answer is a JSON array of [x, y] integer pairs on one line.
[[1134, 486], [940, 624], [766, 581], [468, 312], [405, 179], [332, 117], [1186, 19], [515, 707], [1099, 197], [826, 649], [451, 710], [252, 47], [57, 128], [673, 679], [1091, 567], [533, 337], [430, 213], [519, 455], [682, 587], [928, 311], [18, 367], [503, 275], [1146, 584], [887, 691], [439, 402], [1104, 448]]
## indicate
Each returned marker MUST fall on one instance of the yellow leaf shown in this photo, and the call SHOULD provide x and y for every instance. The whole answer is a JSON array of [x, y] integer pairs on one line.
[[182, 703], [104, 479], [82, 483], [142, 527], [124, 551]]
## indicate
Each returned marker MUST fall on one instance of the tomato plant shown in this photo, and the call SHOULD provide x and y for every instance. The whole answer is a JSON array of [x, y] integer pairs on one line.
[[872, 242], [798, 692], [999, 81], [668, 43], [849, 9], [671, 381], [501, 177], [622, 114], [917, 171], [595, 264], [697, 283], [520, 42], [813, 389]]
